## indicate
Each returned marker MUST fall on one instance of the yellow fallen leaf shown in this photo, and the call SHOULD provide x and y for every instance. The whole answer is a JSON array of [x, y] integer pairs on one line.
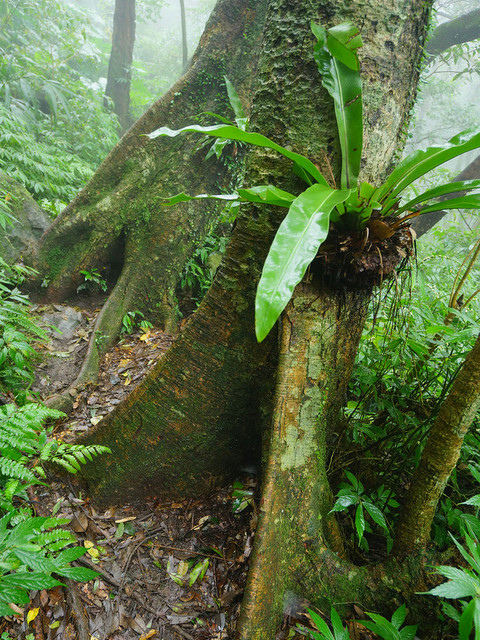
[[95, 420], [126, 519], [32, 614], [146, 636], [55, 624], [93, 552], [124, 362], [88, 544], [127, 382], [145, 336]]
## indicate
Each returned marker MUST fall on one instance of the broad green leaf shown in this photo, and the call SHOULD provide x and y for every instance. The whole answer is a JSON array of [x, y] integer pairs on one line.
[[184, 197], [360, 521], [82, 574], [198, 572], [376, 515], [34, 559], [343, 502], [321, 625], [341, 633], [295, 245], [476, 618], [257, 139], [382, 627], [466, 621], [69, 555], [13, 594], [438, 192], [419, 163], [474, 559], [337, 63], [33, 580], [460, 585], [398, 617], [474, 501], [408, 632], [267, 194], [262, 194], [236, 104], [5, 610]]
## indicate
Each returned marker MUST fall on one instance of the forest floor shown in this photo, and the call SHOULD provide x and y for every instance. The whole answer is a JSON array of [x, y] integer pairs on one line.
[[167, 570]]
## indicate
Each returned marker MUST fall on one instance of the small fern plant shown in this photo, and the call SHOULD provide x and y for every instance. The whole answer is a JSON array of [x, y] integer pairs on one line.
[[25, 448], [33, 548], [18, 331], [354, 207], [30, 552]]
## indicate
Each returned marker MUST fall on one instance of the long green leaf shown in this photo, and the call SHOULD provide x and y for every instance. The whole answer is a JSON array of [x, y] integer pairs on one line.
[[466, 621], [257, 139], [261, 194], [240, 116], [184, 197], [298, 238], [267, 194], [419, 163], [465, 202], [337, 62], [437, 192]]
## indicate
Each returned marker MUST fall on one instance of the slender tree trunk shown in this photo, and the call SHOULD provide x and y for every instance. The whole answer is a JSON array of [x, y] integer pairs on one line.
[[461, 29], [439, 456], [120, 63], [184, 35]]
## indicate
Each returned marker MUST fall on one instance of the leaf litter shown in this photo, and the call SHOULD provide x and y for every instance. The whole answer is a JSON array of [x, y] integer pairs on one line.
[[167, 569]]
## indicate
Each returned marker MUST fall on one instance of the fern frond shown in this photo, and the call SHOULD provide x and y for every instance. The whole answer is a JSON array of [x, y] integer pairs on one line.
[[15, 469]]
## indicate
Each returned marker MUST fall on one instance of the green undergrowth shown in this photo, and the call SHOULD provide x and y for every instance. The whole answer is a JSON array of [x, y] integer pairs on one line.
[[413, 345], [35, 552], [51, 103]]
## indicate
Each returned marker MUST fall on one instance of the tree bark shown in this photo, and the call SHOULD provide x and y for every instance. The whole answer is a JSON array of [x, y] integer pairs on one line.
[[120, 63], [439, 456], [184, 35], [292, 108], [118, 224], [462, 29], [320, 332]]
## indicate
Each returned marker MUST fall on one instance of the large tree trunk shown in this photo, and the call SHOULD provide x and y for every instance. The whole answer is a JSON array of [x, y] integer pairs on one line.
[[118, 224], [120, 63], [215, 362]]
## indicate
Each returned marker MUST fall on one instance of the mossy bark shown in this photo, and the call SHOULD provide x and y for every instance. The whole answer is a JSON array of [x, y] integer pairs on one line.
[[118, 223], [194, 419], [20, 238]]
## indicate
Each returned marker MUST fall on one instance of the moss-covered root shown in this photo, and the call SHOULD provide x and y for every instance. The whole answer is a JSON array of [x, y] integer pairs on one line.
[[319, 338], [121, 210], [440, 456]]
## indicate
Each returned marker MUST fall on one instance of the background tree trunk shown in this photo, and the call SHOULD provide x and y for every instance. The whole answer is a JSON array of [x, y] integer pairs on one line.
[[120, 63], [461, 29], [184, 35]]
